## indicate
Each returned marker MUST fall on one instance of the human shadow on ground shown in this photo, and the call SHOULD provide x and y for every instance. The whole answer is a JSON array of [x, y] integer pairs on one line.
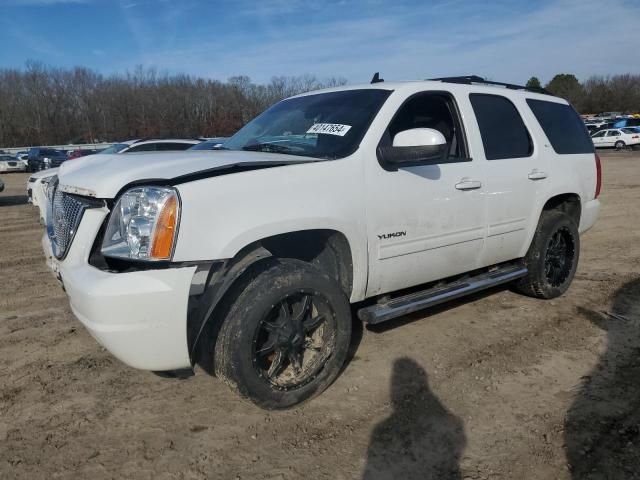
[[602, 426], [421, 439]]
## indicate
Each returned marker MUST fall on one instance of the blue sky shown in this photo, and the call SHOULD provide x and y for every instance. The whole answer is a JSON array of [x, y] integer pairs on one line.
[[507, 40]]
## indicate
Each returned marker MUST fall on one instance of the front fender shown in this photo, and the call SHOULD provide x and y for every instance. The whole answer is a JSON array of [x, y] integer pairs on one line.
[[222, 215]]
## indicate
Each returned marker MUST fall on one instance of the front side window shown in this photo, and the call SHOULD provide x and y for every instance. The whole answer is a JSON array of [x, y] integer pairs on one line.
[[325, 125], [435, 110], [503, 133], [562, 126]]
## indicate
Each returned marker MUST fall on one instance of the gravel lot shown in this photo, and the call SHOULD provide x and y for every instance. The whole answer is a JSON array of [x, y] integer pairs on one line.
[[496, 386]]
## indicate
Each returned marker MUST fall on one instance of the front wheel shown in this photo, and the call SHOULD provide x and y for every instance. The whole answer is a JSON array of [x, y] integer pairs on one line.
[[285, 337], [552, 258]]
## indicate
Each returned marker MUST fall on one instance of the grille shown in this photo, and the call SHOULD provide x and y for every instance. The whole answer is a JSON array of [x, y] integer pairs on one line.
[[64, 215]]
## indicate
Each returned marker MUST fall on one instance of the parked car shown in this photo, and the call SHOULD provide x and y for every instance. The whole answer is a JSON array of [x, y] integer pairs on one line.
[[607, 115], [405, 195], [1, 185], [23, 156], [36, 190], [9, 163], [44, 158], [151, 145], [83, 152], [38, 183], [626, 122], [615, 138], [209, 144]]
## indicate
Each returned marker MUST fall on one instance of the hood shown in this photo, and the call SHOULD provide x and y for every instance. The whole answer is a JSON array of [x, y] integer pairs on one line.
[[45, 173], [103, 176]]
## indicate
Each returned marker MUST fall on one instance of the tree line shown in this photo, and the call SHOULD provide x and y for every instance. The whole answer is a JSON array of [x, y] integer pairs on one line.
[[615, 93], [41, 105]]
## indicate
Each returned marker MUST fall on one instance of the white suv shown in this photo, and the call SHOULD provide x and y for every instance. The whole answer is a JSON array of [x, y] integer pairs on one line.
[[245, 260]]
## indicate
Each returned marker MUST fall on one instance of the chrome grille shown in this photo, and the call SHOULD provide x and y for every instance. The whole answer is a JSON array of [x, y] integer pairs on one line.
[[64, 213]]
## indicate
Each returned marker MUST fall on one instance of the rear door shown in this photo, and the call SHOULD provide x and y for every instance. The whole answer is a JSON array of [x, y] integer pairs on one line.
[[612, 137], [515, 173]]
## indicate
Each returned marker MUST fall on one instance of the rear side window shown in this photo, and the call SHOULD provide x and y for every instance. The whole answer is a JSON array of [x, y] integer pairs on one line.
[[562, 126], [503, 132]]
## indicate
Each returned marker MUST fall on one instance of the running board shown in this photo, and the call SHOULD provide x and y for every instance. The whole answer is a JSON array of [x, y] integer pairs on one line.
[[397, 307]]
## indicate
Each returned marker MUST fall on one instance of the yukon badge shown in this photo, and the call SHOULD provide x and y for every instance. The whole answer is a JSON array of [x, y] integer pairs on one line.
[[386, 236]]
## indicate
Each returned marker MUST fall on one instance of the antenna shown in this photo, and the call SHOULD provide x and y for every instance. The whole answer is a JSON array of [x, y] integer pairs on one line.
[[376, 78]]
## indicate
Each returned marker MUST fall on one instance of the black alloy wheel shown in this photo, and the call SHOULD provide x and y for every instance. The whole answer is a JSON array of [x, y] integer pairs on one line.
[[558, 262], [294, 340]]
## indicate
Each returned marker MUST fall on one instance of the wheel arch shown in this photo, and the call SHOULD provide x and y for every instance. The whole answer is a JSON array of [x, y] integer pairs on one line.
[[327, 249], [568, 202]]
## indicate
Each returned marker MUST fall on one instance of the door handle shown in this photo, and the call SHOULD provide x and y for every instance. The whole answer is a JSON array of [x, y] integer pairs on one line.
[[537, 175], [468, 184]]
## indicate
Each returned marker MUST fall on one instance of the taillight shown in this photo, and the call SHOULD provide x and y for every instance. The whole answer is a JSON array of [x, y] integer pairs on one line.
[[635, 136], [598, 176]]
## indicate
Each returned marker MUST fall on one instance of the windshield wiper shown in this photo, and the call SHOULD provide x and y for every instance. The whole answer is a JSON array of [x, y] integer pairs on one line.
[[267, 147]]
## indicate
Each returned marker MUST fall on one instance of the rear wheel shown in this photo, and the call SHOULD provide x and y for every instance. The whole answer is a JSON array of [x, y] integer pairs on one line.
[[285, 337], [553, 256], [620, 145]]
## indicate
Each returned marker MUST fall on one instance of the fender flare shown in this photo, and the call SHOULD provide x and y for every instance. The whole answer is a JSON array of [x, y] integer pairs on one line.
[[222, 275]]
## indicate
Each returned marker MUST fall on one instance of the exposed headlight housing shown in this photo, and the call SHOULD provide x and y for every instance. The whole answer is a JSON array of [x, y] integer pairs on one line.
[[143, 225]]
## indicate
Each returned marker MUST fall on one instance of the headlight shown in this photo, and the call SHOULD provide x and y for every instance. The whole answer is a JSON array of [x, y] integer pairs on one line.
[[143, 224]]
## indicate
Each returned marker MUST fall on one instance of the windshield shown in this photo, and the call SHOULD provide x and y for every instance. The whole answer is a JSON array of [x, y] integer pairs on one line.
[[116, 148], [324, 125]]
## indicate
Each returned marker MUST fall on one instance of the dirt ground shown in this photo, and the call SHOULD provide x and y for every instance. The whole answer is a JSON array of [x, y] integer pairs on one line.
[[498, 386]]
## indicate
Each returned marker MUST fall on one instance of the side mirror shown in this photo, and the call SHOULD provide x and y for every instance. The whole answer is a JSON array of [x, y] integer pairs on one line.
[[414, 147]]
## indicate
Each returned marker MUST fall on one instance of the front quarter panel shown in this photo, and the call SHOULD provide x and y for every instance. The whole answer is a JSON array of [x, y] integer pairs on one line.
[[223, 214]]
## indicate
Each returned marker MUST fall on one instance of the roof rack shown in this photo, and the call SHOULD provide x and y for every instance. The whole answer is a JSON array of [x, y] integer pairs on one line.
[[471, 79]]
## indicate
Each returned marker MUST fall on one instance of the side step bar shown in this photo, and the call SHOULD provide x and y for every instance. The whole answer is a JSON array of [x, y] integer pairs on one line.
[[397, 307]]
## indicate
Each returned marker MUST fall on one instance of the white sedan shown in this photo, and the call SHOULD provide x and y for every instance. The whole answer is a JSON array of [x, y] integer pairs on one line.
[[11, 164], [616, 137]]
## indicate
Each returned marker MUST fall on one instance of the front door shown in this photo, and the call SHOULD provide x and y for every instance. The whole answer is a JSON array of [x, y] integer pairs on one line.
[[424, 222], [599, 138]]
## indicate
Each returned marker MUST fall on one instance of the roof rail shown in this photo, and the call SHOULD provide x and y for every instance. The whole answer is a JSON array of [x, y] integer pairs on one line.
[[471, 79]]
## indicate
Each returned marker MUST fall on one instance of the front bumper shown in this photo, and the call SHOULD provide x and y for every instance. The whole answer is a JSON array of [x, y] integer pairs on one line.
[[8, 169], [140, 317]]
